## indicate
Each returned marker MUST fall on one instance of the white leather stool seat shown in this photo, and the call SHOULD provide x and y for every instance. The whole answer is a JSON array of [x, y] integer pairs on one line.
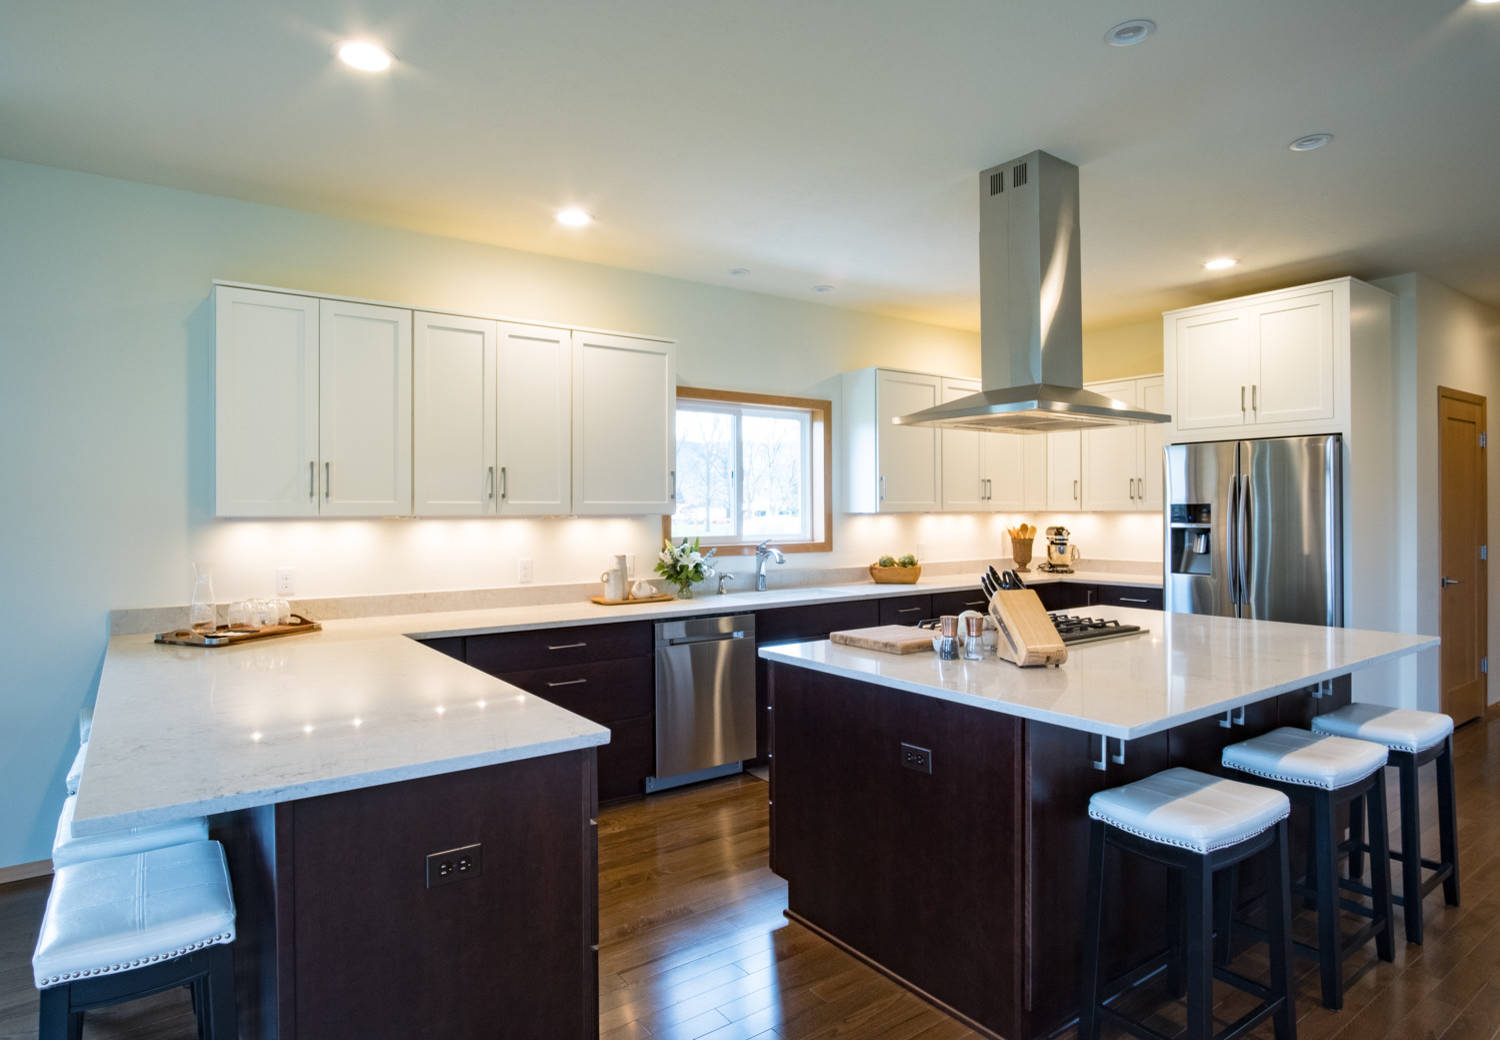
[[1297, 756], [1191, 810], [75, 771], [1397, 728], [112, 915], [68, 848]]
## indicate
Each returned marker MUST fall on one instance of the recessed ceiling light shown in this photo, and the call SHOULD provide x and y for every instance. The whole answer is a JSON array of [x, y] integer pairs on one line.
[[1128, 34], [364, 56], [822, 288], [739, 272], [1220, 263], [573, 217], [1310, 142], [1486, 1]]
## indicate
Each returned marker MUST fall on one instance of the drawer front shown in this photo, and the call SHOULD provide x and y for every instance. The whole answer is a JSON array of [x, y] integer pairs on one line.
[[905, 610], [628, 758], [601, 691], [958, 602], [1066, 595], [504, 652], [791, 624], [1130, 596]]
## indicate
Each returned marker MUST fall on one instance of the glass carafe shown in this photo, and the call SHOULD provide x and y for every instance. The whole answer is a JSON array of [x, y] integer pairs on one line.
[[203, 611]]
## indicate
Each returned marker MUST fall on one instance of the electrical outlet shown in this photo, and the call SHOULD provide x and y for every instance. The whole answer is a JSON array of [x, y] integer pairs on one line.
[[454, 864], [917, 759], [524, 570], [286, 582]]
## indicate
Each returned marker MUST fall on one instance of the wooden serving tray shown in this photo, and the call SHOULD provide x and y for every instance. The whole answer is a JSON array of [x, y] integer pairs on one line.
[[226, 636], [661, 598]]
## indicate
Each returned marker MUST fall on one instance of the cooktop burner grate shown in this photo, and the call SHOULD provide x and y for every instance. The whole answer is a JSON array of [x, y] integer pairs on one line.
[[1074, 629]]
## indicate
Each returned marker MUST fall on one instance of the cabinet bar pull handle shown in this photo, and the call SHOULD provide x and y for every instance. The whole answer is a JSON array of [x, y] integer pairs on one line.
[[882, 487], [491, 478], [908, 610], [1075, 490], [327, 479], [672, 485], [1255, 397], [568, 646], [569, 682], [312, 479], [504, 483], [1127, 599], [1242, 400]]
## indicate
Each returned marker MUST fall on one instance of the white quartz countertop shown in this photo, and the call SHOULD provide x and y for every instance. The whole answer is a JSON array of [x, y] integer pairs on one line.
[[182, 731], [1185, 667]]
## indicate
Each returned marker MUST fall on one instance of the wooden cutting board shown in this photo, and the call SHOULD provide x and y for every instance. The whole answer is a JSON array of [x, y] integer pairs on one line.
[[887, 639]]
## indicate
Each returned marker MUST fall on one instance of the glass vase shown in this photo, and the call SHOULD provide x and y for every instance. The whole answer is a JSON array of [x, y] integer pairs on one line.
[[203, 611], [685, 591]]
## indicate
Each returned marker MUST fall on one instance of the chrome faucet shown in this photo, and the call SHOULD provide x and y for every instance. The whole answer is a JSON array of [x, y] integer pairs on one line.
[[724, 580], [763, 552]]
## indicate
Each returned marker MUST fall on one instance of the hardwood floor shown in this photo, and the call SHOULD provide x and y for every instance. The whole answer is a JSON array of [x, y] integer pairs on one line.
[[693, 943]]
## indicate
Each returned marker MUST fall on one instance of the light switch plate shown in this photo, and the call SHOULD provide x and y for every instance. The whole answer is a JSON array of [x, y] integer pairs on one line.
[[286, 582], [524, 571]]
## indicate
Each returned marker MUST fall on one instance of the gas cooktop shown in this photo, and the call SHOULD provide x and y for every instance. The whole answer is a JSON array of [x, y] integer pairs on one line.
[[1074, 629]]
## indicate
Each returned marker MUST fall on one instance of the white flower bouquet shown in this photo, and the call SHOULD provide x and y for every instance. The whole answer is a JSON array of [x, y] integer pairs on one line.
[[684, 564]]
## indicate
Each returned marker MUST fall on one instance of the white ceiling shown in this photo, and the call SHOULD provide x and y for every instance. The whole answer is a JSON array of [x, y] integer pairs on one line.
[[810, 141]]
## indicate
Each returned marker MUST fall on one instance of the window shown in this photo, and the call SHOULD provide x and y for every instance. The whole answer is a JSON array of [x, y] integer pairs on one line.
[[752, 467]]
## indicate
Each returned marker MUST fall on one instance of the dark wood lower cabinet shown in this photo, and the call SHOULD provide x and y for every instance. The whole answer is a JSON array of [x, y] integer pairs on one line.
[[966, 882], [340, 935]]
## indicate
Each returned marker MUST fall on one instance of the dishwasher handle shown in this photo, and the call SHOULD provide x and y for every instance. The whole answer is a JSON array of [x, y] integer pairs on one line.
[[720, 638]]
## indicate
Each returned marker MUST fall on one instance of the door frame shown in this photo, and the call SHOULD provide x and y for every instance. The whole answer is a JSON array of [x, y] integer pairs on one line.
[[1483, 598]]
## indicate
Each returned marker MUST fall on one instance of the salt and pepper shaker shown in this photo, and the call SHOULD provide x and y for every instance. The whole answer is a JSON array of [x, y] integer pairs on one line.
[[974, 637], [948, 641]]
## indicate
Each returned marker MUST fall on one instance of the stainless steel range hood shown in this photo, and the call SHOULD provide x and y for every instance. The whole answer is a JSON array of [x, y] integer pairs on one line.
[[1030, 310]]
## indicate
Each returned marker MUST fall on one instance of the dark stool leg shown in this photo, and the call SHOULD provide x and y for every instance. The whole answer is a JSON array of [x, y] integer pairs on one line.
[[1226, 901], [1448, 822], [58, 1020], [1330, 946], [1411, 845], [1176, 978], [1088, 1020], [220, 1015], [1356, 839], [1279, 910], [1199, 886], [1380, 871]]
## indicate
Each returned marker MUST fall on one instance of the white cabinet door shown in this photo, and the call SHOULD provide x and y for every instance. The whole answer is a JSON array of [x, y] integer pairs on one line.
[[624, 421], [1111, 457], [1212, 370], [910, 469], [364, 409], [964, 489], [1292, 359], [1152, 395], [1002, 459], [1033, 471], [265, 403], [535, 423], [1065, 471], [453, 415]]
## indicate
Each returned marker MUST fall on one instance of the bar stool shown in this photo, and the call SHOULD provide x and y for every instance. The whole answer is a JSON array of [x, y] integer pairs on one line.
[[128, 926], [75, 771], [69, 848], [1324, 772], [1412, 739], [1197, 825]]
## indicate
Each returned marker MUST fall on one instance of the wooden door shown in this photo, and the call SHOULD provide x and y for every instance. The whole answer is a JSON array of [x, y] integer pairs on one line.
[[1065, 471], [1152, 394], [1212, 387], [910, 470], [624, 425], [963, 476], [364, 409], [1291, 376], [1462, 525], [453, 415], [535, 423], [1111, 457], [265, 403]]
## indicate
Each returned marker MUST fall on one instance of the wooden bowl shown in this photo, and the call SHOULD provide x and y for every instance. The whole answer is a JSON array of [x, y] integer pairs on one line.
[[895, 575]]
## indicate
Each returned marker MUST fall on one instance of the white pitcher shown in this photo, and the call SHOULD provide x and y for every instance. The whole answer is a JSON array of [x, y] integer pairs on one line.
[[616, 585]]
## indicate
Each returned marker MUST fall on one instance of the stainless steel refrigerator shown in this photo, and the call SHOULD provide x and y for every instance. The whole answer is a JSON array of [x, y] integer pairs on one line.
[[1254, 529]]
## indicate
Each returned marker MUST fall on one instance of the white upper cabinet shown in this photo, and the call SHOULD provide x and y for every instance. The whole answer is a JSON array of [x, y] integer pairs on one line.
[[535, 452], [453, 415], [1152, 395], [890, 468], [1293, 359], [1065, 471], [265, 403], [1112, 456], [364, 409], [1002, 460], [624, 441], [1212, 353], [1033, 472], [964, 476]]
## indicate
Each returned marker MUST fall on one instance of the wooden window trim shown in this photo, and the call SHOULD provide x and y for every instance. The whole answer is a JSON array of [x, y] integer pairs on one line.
[[822, 440]]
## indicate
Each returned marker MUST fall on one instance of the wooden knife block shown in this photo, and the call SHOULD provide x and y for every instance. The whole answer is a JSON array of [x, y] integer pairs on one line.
[[1027, 636]]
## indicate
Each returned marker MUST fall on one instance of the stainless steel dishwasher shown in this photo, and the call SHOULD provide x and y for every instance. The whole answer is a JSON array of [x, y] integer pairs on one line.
[[705, 698]]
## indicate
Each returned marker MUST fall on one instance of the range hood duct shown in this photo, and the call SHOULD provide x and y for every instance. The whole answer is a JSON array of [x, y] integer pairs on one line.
[[1030, 310]]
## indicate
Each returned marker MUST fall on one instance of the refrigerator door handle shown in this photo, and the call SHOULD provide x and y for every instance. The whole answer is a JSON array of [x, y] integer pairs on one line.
[[1243, 549], [1232, 541]]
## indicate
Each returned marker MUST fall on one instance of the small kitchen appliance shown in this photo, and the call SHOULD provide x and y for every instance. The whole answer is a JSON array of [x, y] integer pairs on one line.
[[1060, 555]]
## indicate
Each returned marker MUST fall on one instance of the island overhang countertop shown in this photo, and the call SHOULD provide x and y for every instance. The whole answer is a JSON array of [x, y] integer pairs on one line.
[[1184, 667]]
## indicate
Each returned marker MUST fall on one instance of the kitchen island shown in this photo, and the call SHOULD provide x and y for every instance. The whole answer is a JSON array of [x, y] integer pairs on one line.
[[958, 868]]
